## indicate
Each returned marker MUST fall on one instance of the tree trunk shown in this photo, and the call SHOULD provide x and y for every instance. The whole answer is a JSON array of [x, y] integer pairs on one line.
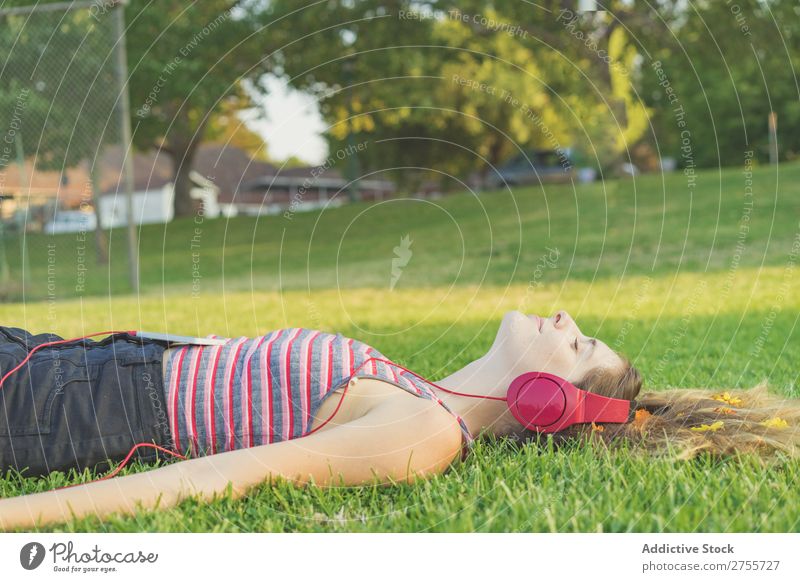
[[182, 165], [100, 238], [182, 151], [493, 161]]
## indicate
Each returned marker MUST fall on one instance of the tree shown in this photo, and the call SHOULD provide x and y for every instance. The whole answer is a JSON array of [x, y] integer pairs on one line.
[[728, 65], [227, 127], [185, 61], [445, 84]]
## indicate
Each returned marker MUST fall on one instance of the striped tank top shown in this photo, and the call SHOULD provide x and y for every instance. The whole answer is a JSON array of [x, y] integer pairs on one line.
[[267, 389]]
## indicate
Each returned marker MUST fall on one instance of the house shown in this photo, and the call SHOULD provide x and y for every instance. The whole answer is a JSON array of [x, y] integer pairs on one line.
[[154, 205], [153, 190], [306, 188], [36, 197], [255, 187], [32, 196], [225, 179]]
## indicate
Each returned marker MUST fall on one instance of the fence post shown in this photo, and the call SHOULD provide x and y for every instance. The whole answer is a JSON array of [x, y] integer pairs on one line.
[[5, 271], [772, 125], [23, 242], [127, 144]]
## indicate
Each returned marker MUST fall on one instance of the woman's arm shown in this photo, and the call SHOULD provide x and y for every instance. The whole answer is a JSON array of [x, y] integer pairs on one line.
[[399, 439]]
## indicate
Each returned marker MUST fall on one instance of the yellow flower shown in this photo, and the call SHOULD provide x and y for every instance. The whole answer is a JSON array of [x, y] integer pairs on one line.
[[774, 423], [598, 428], [724, 410], [714, 426], [727, 398]]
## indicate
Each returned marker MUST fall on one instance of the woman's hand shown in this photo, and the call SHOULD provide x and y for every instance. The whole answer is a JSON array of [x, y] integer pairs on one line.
[[120, 494]]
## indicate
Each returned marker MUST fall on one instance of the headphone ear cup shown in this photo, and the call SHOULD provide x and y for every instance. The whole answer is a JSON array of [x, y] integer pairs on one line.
[[537, 401]]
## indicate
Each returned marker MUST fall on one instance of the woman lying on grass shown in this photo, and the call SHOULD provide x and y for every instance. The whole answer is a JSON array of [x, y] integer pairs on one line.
[[254, 409]]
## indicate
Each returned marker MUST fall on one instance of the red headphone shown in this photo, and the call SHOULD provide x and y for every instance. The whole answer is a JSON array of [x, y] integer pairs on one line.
[[539, 401], [546, 403]]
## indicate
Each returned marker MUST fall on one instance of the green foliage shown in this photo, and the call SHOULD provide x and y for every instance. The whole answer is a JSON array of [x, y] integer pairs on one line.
[[183, 61], [57, 94], [432, 87], [729, 64]]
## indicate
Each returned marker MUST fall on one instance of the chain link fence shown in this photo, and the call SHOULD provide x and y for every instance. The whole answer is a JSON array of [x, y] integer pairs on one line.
[[64, 135]]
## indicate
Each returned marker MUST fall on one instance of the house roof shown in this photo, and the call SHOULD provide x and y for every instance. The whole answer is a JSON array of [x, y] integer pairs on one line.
[[151, 170], [229, 167]]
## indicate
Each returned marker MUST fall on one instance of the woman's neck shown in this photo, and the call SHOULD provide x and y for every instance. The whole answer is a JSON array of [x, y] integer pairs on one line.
[[485, 376]]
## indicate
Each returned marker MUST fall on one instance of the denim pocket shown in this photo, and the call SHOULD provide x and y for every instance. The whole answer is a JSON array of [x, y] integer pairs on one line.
[[27, 396]]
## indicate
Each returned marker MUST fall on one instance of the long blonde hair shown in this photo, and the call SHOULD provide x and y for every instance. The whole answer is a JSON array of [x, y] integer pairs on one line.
[[685, 423]]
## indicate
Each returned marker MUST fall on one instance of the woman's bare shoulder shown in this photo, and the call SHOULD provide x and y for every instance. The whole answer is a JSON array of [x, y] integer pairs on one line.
[[424, 417]]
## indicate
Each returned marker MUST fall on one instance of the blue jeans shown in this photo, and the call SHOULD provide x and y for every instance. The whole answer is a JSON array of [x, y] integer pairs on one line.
[[80, 405]]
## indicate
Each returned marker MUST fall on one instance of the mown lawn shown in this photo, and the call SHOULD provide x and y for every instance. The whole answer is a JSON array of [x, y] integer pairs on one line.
[[647, 267]]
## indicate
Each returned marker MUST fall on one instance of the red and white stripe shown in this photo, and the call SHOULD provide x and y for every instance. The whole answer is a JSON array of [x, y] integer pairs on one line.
[[370, 366], [286, 384], [274, 382], [174, 390], [227, 399], [208, 401], [247, 394], [266, 389], [325, 349], [306, 354], [347, 358], [189, 406]]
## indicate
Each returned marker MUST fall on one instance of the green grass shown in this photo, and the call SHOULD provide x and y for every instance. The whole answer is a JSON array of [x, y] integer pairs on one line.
[[652, 226], [505, 487], [663, 283]]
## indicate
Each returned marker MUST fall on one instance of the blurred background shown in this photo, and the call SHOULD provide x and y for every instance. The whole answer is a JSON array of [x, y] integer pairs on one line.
[[184, 150]]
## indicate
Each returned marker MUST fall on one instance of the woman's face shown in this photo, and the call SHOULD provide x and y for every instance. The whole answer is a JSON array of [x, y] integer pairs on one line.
[[530, 343]]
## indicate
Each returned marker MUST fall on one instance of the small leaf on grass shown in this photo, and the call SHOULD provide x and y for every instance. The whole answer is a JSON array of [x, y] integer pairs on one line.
[[713, 427], [727, 398], [724, 410], [640, 419], [776, 422]]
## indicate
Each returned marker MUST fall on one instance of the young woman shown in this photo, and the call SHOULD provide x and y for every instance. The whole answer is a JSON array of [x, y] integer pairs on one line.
[[254, 409]]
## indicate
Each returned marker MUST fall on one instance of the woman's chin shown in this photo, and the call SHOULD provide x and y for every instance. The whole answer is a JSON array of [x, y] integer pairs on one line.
[[516, 329]]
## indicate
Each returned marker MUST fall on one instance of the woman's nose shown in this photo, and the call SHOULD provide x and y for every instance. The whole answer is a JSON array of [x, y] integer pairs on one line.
[[561, 319]]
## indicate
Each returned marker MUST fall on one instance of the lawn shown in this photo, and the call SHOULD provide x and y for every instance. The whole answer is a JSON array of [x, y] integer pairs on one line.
[[699, 287]]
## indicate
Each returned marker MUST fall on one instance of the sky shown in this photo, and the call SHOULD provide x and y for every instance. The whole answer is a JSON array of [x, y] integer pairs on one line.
[[293, 126]]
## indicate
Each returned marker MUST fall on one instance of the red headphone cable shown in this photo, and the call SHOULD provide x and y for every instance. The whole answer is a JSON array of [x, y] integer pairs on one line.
[[390, 363], [64, 341], [177, 454]]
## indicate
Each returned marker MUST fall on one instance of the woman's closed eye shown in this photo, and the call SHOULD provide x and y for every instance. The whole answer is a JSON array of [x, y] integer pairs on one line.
[[575, 344]]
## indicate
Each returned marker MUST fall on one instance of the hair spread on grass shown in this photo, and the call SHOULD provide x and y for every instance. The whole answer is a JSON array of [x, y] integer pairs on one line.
[[685, 423]]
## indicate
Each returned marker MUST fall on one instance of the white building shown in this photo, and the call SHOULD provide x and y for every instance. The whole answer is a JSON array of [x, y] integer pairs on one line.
[[154, 205]]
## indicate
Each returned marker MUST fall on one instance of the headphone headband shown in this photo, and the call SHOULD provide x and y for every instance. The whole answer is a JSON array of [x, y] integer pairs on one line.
[[548, 403]]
